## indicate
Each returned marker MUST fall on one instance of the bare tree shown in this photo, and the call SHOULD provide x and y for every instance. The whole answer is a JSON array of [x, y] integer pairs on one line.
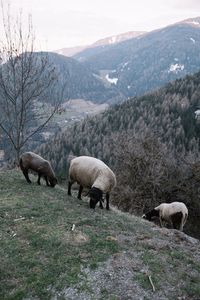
[[27, 78]]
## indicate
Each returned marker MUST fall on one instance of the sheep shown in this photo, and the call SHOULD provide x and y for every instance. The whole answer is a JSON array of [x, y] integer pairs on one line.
[[31, 161], [175, 213], [94, 174]]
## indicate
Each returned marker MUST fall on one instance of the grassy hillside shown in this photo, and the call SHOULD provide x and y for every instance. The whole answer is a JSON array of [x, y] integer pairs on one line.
[[109, 255]]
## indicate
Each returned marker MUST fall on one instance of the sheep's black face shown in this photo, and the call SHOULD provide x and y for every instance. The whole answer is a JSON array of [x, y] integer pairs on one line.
[[93, 202], [144, 217], [53, 181], [147, 217], [95, 195], [153, 213]]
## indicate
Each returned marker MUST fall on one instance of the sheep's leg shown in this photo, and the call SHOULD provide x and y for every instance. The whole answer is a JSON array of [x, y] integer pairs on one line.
[[172, 225], [161, 222], [25, 172], [47, 183], [181, 226], [182, 223], [107, 201], [39, 176], [80, 191], [185, 219], [178, 220], [69, 188], [100, 204]]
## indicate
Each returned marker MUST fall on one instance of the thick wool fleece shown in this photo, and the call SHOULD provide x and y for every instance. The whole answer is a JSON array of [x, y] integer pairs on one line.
[[168, 209], [92, 172], [32, 161]]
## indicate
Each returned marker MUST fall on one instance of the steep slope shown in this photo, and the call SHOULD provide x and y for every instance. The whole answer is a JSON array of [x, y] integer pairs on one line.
[[129, 258], [149, 61]]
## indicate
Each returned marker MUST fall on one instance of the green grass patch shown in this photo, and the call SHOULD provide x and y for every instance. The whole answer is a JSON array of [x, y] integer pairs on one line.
[[38, 248], [40, 254], [193, 287]]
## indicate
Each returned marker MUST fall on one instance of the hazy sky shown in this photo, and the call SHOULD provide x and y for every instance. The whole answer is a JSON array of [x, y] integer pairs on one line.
[[66, 23]]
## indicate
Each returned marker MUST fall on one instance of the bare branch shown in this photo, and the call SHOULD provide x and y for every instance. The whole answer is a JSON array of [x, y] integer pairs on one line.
[[26, 79]]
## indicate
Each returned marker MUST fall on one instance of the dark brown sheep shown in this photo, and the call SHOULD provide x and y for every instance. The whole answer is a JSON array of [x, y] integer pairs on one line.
[[31, 161]]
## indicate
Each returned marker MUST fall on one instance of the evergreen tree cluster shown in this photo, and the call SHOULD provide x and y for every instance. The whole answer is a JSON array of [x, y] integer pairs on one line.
[[169, 114]]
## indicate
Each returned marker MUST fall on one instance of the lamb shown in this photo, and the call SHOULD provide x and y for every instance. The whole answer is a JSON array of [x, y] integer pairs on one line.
[[92, 173], [31, 161], [175, 213]]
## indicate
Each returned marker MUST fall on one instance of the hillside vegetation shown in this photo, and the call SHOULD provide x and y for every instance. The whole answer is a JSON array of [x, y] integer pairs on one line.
[[168, 113], [152, 142], [109, 255], [81, 83]]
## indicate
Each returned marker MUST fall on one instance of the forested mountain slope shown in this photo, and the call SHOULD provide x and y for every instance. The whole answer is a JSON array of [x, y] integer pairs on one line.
[[168, 113], [149, 61], [80, 82]]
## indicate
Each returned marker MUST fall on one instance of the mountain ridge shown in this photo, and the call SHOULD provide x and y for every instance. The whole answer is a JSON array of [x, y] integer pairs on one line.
[[149, 61], [71, 51]]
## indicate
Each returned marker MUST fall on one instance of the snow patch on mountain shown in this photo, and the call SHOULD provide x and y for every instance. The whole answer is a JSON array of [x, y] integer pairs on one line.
[[193, 40], [112, 40], [197, 113], [194, 23], [111, 80], [175, 68]]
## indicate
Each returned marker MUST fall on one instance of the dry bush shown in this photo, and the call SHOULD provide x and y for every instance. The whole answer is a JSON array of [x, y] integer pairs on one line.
[[143, 167]]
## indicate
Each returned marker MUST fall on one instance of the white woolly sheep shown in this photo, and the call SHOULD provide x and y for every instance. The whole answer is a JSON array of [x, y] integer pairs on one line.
[[174, 213], [92, 173], [31, 161]]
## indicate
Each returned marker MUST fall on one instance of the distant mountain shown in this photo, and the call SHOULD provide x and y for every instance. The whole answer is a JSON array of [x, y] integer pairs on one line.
[[90, 95], [71, 51], [81, 83], [144, 63], [195, 22], [135, 63], [115, 39]]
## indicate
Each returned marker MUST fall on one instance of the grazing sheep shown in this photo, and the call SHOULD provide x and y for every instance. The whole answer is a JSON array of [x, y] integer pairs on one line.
[[31, 161], [175, 213], [94, 174]]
